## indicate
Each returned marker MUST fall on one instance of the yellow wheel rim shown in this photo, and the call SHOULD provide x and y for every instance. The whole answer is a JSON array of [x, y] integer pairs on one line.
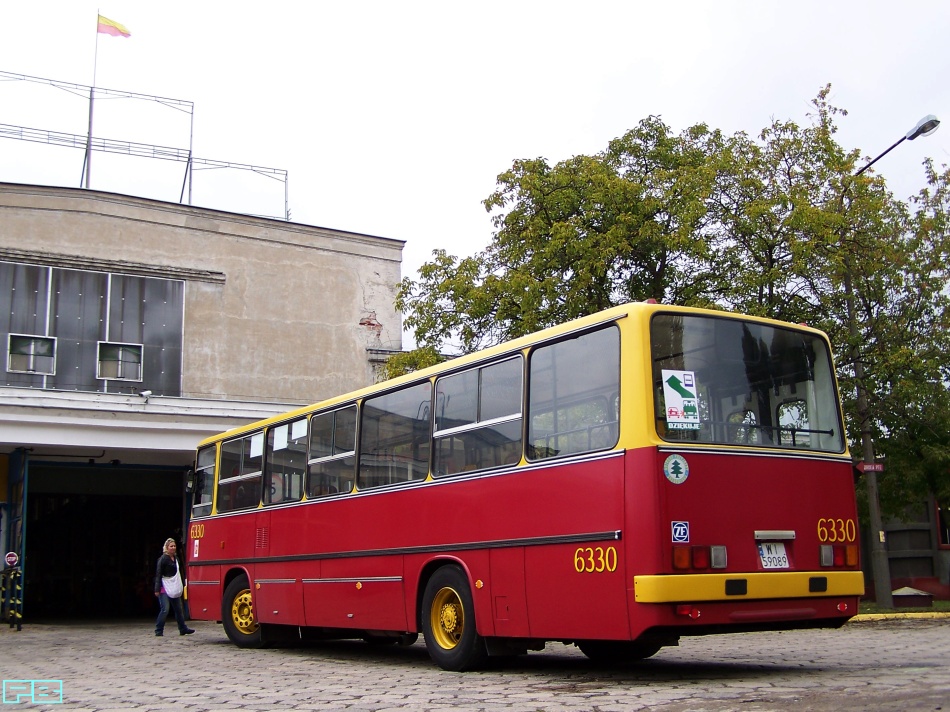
[[447, 618], [242, 613]]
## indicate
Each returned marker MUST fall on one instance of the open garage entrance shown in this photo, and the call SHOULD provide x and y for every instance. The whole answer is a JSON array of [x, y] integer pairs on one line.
[[93, 535]]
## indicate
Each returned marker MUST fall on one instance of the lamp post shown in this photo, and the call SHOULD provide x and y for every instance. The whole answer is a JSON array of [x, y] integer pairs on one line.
[[880, 566]]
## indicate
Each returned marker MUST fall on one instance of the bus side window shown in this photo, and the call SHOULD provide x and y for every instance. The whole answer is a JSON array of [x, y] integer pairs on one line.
[[203, 491], [394, 437], [285, 462], [573, 387], [239, 481], [331, 464], [478, 418]]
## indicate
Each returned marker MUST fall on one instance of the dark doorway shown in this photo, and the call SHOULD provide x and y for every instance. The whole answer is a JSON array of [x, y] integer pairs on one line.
[[93, 535]]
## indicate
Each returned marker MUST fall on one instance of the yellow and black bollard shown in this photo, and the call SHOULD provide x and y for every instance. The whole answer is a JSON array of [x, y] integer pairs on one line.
[[11, 596]]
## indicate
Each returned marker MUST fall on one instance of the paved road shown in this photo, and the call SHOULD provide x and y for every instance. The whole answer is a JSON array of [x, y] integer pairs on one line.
[[886, 665]]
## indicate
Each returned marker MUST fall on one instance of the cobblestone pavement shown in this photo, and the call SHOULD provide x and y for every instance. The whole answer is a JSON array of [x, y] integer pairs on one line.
[[898, 665]]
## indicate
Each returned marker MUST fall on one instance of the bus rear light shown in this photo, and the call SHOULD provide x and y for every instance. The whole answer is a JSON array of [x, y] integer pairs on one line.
[[718, 556], [839, 554], [851, 555], [682, 558], [700, 557], [842, 607], [688, 611]]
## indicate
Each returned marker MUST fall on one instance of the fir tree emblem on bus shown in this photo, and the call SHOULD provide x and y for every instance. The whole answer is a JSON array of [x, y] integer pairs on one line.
[[676, 469]]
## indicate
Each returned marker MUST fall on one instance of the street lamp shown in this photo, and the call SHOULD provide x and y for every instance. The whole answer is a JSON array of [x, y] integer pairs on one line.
[[924, 127], [880, 566]]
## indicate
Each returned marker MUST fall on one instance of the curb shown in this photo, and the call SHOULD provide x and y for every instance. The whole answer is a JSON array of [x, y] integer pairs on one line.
[[926, 615]]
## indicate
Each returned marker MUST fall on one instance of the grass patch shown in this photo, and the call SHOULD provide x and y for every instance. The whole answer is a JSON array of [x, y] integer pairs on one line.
[[871, 607]]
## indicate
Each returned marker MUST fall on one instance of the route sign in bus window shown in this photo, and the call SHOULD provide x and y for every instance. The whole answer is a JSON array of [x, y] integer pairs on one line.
[[681, 400]]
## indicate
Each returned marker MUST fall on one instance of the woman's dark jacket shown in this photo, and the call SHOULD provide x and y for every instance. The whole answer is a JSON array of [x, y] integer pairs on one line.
[[165, 567]]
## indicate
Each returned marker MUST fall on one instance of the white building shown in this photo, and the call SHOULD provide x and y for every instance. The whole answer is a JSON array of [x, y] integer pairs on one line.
[[132, 329]]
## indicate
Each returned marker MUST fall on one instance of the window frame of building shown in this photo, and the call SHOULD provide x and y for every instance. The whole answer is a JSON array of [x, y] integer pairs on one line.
[[942, 518], [121, 346], [33, 340]]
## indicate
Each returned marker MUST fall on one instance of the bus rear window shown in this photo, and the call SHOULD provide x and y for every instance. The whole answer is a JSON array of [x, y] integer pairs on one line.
[[733, 382]]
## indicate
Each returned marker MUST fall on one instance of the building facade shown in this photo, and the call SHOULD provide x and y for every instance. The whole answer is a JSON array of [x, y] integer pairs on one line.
[[132, 329]]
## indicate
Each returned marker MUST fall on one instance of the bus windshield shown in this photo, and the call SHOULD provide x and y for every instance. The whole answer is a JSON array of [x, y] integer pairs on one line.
[[727, 381]]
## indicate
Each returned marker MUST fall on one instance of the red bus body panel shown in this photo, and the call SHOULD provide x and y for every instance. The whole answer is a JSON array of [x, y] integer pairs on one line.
[[532, 542]]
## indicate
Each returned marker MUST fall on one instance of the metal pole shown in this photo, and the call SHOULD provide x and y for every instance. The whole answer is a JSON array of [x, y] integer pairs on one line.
[[880, 565], [92, 90], [89, 139], [871, 163], [189, 170]]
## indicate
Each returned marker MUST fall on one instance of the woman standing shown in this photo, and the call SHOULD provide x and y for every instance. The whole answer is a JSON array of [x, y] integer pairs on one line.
[[168, 589]]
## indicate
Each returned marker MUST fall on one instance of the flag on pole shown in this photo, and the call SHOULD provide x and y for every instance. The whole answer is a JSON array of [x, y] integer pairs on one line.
[[111, 27]]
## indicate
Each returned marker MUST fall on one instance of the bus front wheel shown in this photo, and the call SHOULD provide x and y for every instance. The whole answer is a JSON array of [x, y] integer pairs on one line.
[[448, 622], [237, 614]]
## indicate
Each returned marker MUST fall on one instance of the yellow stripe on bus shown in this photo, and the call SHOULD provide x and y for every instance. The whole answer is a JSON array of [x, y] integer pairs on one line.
[[686, 588]]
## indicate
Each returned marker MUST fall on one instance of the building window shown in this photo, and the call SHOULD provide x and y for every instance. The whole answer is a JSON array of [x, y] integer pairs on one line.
[[120, 362], [31, 354], [943, 526]]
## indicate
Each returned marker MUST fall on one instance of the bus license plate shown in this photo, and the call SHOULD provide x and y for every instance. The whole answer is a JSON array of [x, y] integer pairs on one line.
[[773, 556]]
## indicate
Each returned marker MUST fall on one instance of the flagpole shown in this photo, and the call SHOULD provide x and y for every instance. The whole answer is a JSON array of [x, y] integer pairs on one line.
[[92, 91]]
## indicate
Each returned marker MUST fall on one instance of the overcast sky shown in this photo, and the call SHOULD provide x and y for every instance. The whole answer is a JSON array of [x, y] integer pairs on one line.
[[394, 118]]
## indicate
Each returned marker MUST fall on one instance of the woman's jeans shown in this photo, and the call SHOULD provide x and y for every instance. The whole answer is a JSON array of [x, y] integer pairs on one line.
[[164, 603]]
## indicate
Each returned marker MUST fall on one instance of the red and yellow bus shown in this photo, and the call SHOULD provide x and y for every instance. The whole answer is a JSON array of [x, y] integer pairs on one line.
[[615, 482]]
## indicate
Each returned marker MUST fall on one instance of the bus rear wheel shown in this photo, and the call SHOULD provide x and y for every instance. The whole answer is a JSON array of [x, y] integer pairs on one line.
[[618, 652], [237, 614], [448, 622]]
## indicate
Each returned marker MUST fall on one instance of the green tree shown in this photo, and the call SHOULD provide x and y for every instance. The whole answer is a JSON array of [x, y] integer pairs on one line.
[[909, 314], [583, 235]]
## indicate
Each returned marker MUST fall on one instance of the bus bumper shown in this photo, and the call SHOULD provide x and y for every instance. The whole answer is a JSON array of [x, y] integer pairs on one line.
[[687, 588]]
